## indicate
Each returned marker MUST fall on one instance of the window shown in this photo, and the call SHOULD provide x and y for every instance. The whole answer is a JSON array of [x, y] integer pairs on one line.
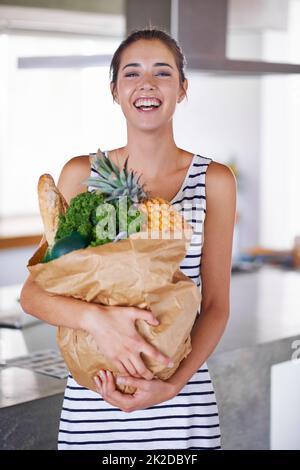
[[50, 113]]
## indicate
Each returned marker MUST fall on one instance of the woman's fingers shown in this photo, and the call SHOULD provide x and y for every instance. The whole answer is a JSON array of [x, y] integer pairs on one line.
[[151, 351], [146, 315], [130, 366], [133, 382], [98, 384], [108, 382], [148, 349], [106, 386], [142, 370], [121, 368]]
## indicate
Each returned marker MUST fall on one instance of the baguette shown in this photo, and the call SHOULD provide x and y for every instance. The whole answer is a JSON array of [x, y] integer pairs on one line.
[[52, 204]]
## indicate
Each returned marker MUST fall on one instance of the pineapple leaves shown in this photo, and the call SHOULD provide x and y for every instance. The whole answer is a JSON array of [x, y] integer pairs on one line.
[[113, 181]]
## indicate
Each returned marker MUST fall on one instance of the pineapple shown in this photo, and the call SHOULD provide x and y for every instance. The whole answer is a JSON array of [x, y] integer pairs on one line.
[[159, 215]]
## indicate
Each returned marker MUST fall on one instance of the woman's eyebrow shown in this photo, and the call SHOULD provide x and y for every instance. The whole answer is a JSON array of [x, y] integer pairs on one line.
[[157, 64]]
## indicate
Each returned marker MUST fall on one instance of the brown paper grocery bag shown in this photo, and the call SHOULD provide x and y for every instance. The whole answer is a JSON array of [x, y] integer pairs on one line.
[[133, 272]]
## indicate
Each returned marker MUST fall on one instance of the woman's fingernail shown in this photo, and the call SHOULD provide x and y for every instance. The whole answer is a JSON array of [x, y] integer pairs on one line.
[[96, 380], [102, 374]]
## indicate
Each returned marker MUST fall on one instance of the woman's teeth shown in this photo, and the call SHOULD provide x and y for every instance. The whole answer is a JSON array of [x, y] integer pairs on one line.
[[147, 105], [147, 108]]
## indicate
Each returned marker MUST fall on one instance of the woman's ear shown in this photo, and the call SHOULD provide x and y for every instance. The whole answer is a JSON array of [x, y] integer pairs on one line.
[[184, 88], [112, 90]]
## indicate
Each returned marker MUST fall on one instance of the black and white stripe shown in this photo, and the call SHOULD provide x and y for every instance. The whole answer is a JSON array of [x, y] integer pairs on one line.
[[188, 421]]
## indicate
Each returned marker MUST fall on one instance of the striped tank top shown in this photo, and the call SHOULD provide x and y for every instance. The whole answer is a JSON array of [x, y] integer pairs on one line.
[[189, 420]]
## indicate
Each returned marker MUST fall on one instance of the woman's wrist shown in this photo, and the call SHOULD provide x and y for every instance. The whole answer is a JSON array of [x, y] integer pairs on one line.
[[90, 317], [174, 387]]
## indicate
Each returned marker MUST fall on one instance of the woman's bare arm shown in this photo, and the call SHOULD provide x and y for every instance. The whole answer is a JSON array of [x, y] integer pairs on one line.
[[215, 270], [51, 308]]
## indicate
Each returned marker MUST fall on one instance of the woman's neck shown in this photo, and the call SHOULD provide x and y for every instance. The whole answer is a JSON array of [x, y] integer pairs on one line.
[[152, 154]]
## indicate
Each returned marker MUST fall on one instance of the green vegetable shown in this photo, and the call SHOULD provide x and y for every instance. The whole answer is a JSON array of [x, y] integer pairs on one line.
[[80, 215], [88, 214], [74, 241], [47, 256]]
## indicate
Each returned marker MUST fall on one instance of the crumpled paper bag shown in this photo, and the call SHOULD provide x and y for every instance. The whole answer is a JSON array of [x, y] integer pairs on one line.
[[133, 272]]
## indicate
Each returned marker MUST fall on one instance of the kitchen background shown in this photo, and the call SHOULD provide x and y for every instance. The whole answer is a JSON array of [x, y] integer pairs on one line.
[[55, 103]]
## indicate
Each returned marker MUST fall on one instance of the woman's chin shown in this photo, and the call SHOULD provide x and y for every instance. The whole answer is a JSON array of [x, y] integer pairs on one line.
[[147, 126], [150, 124]]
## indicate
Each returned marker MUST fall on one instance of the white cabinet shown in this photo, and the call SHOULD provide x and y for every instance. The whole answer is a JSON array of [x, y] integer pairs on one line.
[[285, 409]]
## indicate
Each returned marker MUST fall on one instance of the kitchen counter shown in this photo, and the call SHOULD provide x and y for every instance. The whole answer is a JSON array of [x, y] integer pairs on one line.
[[20, 385], [263, 324], [30, 402], [264, 307], [263, 330]]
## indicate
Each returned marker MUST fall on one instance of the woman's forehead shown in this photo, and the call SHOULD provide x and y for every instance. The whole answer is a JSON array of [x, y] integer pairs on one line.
[[146, 50]]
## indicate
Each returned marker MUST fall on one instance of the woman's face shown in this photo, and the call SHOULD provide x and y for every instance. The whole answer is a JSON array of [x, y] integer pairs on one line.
[[152, 73]]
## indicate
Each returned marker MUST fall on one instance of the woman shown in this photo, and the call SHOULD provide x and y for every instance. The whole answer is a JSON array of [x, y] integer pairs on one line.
[[179, 413]]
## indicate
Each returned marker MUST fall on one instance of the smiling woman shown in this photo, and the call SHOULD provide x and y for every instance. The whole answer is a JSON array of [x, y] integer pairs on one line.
[[163, 80], [148, 81]]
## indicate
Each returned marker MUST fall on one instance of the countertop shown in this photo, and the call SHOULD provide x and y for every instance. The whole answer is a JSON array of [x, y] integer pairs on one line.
[[19, 385], [265, 307]]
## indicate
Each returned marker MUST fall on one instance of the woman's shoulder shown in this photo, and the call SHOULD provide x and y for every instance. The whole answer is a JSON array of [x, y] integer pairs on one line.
[[74, 172], [218, 172], [220, 181], [77, 163]]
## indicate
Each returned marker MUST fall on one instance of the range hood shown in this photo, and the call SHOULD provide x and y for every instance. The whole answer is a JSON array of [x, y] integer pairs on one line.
[[200, 26]]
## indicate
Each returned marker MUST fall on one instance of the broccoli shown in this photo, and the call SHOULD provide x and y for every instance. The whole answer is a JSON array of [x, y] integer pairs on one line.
[[80, 215]]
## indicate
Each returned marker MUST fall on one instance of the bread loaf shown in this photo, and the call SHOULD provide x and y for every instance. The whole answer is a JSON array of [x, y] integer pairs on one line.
[[52, 204]]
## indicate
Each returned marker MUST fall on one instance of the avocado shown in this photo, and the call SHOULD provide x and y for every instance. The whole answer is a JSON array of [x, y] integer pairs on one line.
[[74, 241]]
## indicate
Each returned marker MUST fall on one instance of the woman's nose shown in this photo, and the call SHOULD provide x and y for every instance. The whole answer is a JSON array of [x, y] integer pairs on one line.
[[147, 84]]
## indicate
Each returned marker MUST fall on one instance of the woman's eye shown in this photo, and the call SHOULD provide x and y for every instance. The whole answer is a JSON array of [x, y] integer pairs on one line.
[[159, 73]]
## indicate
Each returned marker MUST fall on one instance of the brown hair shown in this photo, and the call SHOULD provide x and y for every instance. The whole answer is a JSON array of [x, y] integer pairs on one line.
[[149, 34]]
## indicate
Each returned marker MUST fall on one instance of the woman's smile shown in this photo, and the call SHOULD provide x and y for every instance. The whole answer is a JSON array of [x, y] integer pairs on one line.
[[148, 84]]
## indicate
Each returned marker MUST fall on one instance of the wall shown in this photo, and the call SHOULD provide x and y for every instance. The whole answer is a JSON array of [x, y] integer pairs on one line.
[[224, 122], [99, 6], [13, 265], [221, 121], [280, 168]]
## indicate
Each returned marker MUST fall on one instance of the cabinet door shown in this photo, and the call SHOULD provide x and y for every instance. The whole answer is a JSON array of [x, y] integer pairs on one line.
[[285, 406]]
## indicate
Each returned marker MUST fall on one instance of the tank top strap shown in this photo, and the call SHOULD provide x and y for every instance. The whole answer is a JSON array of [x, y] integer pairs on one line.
[[198, 176]]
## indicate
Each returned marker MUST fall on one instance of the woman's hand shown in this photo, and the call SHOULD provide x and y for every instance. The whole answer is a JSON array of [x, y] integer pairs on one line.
[[148, 393], [114, 331]]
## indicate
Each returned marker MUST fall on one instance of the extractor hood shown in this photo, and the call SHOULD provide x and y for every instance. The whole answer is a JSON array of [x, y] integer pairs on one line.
[[200, 26]]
